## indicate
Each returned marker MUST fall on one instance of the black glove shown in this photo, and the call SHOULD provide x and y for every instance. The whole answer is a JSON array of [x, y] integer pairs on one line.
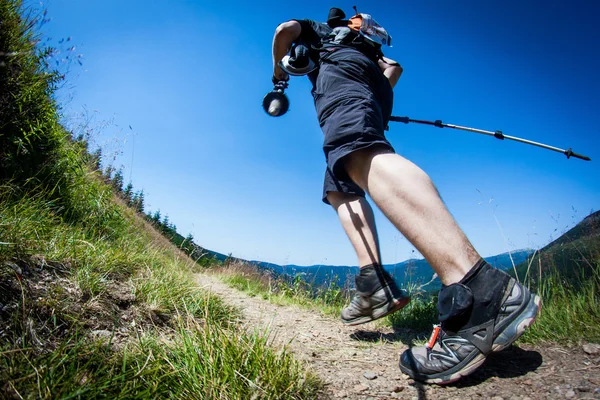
[[276, 80]]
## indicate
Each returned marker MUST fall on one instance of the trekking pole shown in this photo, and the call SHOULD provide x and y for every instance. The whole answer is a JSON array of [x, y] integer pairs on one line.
[[497, 134]]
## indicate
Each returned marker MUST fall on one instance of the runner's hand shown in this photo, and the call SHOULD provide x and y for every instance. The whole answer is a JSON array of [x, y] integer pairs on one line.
[[279, 75]]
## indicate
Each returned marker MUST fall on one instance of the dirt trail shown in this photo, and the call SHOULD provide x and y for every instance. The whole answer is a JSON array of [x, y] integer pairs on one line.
[[362, 362]]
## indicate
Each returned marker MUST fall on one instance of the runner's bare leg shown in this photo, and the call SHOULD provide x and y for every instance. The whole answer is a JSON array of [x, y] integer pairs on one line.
[[408, 198], [356, 216]]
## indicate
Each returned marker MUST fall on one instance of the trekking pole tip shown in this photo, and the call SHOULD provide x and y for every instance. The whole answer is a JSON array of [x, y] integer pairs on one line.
[[570, 153]]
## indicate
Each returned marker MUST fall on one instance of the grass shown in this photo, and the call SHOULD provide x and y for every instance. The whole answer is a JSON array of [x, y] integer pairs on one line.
[[195, 362], [328, 300], [213, 363], [164, 337], [418, 316], [28, 117], [570, 312], [94, 302]]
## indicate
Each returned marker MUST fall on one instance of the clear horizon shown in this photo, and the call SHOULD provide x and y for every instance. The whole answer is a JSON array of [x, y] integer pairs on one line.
[[530, 250]]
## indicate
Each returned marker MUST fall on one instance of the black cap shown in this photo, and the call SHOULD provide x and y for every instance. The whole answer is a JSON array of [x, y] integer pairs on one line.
[[335, 17]]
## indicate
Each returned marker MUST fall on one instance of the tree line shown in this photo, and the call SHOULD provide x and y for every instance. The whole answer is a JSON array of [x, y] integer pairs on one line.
[[136, 201]]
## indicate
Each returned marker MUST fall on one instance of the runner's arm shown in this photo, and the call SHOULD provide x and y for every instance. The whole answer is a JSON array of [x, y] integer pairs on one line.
[[391, 69], [285, 34]]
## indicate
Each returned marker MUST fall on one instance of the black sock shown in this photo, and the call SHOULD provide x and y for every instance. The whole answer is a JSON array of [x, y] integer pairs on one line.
[[373, 277], [367, 281]]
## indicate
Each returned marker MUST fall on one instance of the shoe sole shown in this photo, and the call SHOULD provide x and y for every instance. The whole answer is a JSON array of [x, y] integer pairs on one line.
[[469, 368], [380, 312], [507, 337]]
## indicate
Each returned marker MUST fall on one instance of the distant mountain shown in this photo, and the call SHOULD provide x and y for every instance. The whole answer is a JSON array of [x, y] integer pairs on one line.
[[573, 255], [216, 256], [409, 272]]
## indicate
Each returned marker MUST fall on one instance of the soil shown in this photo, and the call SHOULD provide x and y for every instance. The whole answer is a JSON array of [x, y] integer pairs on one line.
[[34, 291], [361, 362]]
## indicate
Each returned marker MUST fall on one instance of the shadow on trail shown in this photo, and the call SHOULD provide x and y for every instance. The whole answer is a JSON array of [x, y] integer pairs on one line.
[[404, 335], [509, 363]]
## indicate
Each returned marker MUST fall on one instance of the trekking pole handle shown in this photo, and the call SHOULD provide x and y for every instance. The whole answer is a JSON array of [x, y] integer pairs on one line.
[[406, 120]]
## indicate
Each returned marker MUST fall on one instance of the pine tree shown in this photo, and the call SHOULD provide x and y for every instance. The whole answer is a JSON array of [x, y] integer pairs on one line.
[[165, 224], [117, 181], [156, 217], [128, 194], [138, 201], [108, 172], [96, 159], [188, 244]]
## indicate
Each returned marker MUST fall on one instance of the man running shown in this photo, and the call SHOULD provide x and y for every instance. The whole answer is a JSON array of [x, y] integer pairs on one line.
[[481, 309]]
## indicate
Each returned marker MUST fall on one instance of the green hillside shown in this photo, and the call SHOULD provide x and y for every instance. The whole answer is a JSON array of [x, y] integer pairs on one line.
[[573, 256], [566, 273], [95, 300]]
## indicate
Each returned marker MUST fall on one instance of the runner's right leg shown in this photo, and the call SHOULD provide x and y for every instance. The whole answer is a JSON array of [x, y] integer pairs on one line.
[[377, 295]]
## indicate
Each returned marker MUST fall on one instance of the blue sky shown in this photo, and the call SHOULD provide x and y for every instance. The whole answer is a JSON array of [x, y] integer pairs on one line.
[[189, 78]]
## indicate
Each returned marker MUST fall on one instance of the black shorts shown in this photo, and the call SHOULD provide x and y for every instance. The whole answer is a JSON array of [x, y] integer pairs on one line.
[[354, 102]]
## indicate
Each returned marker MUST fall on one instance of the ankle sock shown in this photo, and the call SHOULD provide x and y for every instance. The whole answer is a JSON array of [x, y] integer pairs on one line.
[[371, 278]]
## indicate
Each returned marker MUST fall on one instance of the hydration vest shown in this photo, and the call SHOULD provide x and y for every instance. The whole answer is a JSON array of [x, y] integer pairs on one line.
[[362, 33]]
